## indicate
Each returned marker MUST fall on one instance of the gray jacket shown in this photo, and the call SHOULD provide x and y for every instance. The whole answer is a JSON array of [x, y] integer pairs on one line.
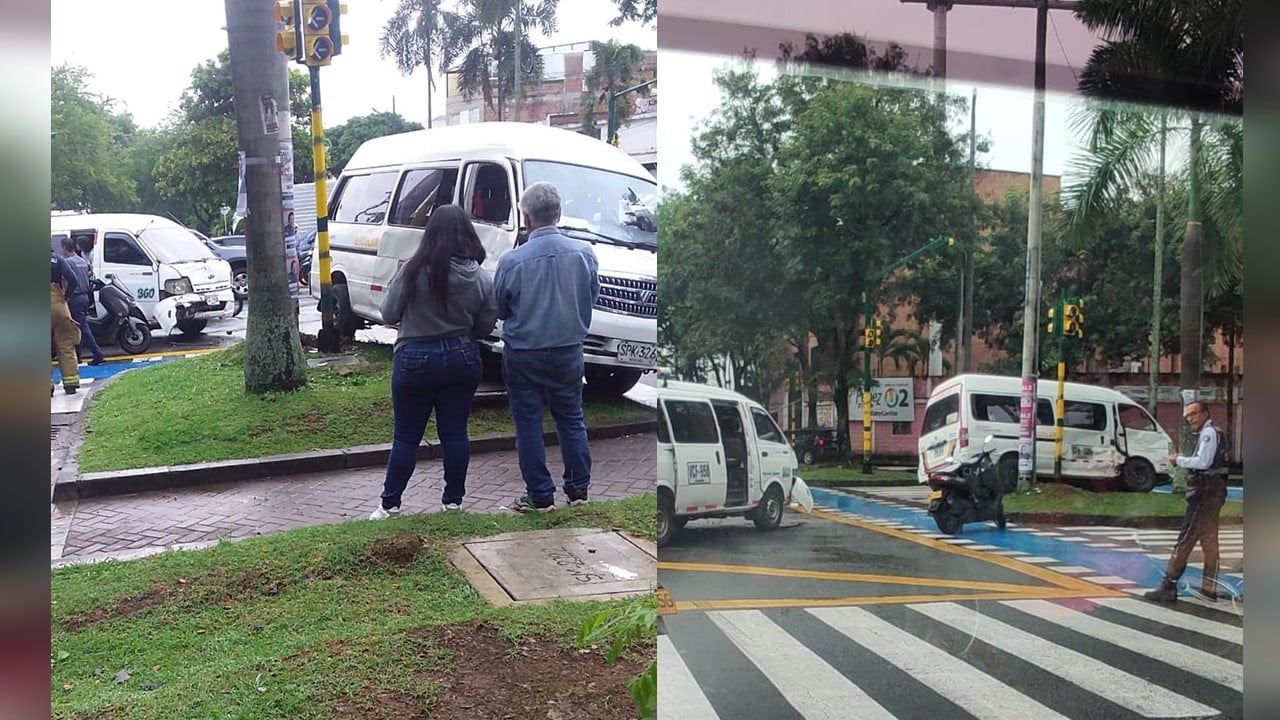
[[472, 309]]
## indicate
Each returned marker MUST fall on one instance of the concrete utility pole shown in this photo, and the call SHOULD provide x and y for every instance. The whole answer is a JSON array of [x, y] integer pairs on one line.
[[517, 63], [1031, 304]]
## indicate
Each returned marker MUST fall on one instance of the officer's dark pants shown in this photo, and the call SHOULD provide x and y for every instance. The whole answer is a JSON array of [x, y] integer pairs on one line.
[[79, 307], [1205, 498]]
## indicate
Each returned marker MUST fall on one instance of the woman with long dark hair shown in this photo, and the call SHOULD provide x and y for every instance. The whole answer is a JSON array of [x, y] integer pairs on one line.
[[442, 301]]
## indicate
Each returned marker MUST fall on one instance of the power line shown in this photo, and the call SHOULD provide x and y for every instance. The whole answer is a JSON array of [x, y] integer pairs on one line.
[[1061, 47]]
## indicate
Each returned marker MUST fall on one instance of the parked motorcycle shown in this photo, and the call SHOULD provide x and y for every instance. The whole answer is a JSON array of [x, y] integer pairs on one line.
[[123, 323], [971, 491]]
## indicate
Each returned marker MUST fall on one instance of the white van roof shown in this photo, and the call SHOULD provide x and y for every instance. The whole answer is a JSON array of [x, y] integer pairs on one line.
[[523, 141], [706, 392], [1013, 385], [132, 222]]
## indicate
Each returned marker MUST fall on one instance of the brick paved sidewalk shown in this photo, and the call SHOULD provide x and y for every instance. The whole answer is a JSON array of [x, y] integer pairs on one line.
[[134, 525]]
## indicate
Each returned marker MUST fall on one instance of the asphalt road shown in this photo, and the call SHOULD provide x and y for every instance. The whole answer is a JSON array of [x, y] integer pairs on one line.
[[849, 615]]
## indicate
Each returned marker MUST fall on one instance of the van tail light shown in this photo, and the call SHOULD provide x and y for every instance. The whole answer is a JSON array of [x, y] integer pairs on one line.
[[964, 437]]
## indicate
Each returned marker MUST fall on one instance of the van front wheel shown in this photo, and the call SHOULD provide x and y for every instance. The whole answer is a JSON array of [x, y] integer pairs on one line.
[[768, 515], [1138, 475]]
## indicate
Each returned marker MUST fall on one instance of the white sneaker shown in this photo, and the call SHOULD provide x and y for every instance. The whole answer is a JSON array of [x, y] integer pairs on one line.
[[451, 507], [382, 513]]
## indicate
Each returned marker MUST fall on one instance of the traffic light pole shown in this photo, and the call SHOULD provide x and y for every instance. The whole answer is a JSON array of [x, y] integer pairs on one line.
[[867, 298], [1062, 377], [327, 340], [612, 136]]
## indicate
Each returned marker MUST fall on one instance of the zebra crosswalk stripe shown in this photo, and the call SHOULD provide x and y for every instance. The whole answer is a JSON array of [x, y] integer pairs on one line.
[[1173, 618], [1093, 675], [804, 679], [678, 692], [977, 692], [1218, 669]]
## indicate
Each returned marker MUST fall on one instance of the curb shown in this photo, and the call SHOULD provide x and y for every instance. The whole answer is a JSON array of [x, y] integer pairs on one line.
[[124, 482]]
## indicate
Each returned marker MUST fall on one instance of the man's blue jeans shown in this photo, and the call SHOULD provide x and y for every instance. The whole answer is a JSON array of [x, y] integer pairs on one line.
[[440, 375], [78, 304], [540, 379]]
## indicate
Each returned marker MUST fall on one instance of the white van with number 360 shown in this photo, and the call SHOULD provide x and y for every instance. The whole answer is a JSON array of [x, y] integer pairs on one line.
[[720, 454]]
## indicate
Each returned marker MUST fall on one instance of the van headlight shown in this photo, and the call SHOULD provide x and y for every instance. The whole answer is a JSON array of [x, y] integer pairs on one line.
[[181, 286]]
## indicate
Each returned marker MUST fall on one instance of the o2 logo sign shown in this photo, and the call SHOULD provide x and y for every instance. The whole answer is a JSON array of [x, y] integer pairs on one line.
[[891, 398], [146, 293]]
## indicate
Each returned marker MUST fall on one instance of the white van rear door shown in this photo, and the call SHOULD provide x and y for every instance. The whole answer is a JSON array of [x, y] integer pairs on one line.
[[1086, 438]]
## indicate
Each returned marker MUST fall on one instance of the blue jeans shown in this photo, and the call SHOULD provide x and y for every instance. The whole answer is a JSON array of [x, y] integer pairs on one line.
[[536, 380], [79, 306], [440, 375]]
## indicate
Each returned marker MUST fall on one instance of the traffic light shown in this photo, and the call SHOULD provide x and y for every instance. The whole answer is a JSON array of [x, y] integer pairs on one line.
[[879, 333], [1052, 313], [336, 11], [287, 30], [317, 43], [1073, 320]]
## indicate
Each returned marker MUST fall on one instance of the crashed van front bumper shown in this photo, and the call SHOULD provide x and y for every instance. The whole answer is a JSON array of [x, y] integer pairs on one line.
[[194, 306]]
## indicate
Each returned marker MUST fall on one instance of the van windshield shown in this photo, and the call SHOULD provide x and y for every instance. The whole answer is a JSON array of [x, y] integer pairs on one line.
[[614, 206], [175, 245]]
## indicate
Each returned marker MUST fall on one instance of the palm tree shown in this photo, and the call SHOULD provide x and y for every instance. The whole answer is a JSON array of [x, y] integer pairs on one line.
[[1186, 56], [480, 37], [615, 69], [411, 36]]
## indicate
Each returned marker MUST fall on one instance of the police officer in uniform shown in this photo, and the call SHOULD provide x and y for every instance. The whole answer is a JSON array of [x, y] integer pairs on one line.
[[79, 301], [1206, 493], [66, 334]]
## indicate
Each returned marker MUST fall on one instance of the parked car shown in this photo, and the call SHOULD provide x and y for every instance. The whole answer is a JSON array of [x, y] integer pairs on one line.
[[815, 444], [231, 249]]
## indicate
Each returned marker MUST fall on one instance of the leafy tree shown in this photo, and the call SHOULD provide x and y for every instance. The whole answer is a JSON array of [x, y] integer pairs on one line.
[[615, 69], [201, 170], [480, 37], [87, 162], [1184, 54], [644, 11], [845, 50], [346, 138], [412, 36]]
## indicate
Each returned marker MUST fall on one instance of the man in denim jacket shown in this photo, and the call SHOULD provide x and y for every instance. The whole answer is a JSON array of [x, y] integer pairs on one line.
[[546, 289]]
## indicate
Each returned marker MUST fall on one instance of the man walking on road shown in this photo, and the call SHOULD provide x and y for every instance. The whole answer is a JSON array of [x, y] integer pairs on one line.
[[1206, 493], [545, 291], [66, 335], [78, 302]]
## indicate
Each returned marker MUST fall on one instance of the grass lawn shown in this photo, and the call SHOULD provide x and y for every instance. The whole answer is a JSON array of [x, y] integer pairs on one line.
[[851, 476], [1061, 498], [196, 410], [353, 620]]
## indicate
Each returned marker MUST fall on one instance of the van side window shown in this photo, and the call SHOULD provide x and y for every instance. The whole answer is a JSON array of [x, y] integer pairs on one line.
[[490, 200], [1044, 413], [421, 192], [1135, 417], [941, 414], [1084, 415], [692, 422], [122, 250], [664, 435], [766, 429], [363, 199], [995, 408]]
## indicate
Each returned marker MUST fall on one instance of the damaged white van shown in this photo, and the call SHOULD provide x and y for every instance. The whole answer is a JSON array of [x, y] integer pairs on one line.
[[174, 278], [720, 454], [392, 184], [1105, 434]]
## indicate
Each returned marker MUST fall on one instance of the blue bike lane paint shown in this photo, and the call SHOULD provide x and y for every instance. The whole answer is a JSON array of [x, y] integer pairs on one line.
[[1135, 566]]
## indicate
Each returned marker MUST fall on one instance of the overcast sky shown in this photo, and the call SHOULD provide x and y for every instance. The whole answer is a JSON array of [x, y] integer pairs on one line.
[[142, 52]]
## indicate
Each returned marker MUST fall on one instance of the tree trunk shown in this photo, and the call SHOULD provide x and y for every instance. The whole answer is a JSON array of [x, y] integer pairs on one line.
[[273, 359], [1192, 295]]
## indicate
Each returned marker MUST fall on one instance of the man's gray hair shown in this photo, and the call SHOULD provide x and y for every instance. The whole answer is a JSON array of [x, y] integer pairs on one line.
[[541, 202]]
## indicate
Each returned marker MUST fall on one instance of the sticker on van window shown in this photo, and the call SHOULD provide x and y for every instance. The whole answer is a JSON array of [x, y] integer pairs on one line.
[[699, 473]]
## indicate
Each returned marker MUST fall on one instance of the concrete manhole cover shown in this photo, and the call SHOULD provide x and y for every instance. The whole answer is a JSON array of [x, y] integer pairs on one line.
[[542, 565]]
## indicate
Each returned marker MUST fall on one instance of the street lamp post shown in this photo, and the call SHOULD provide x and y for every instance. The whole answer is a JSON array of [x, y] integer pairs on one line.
[[225, 209], [868, 294]]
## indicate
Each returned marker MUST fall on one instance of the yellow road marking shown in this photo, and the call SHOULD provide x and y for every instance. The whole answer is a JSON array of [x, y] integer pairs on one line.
[[1041, 593], [847, 577], [1063, 581], [155, 356]]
